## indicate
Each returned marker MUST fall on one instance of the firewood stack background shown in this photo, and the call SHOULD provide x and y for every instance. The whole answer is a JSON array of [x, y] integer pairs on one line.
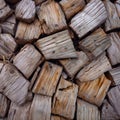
[[59, 60]]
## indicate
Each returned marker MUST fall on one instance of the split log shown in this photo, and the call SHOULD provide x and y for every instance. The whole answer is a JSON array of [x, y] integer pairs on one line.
[[65, 97], [117, 5], [72, 66], [53, 117], [71, 7], [51, 17], [87, 111], [113, 20], [93, 15], [96, 68], [13, 84], [94, 91], [27, 60], [57, 46], [39, 2], [48, 79], [96, 43], [25, 11], [40, 108]]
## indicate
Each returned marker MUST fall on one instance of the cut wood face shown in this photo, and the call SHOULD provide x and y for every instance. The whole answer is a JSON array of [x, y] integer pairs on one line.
[[57, 46], [93, 15], [65, 99], [87, 111], [94, 91]]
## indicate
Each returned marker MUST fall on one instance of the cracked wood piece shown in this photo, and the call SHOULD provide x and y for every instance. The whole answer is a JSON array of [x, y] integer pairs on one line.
[[72, 66], [27, 60], [39, 2], [117, 5], [93, 15], [57, 46], [54, 117], [28, 32], [113, 20], [93, 70], [94, 91], [40, 108], [65, 99], [71, 7], [87, 111], [96, 43], [13, 84], [51, 17], [25, 11], [48, 79]]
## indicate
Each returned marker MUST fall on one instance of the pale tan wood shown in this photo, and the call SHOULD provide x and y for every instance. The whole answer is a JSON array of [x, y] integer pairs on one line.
[[27, 60], [117, 5], [25, 11], [48, 79], [57, 46], [93, 70], [72, 66], [40, 108], [93, 15], [87, 111], [51, 17], [65, 99], [54, 117], [96, 43], [94, 91], [13, 84], [71, 7]]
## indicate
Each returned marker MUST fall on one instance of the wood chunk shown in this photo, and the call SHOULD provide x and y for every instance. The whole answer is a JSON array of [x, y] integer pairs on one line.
[[87, 111], [40, 108], [71, 7], [94, 91], [93, 15], [57, 46], [65, 99], [96, 68], [13, 84], [25, 11], [72, 66], [47, 79], [96, 43], [117, 5], [27, 60], [39, 2], [53, 117], [28, 32], [51, 17]]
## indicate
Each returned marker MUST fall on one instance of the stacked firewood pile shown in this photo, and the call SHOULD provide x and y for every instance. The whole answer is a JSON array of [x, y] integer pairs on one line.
[[59, 60]]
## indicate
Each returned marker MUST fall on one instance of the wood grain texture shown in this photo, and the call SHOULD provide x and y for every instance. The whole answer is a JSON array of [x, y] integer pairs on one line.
[[1, 65], [39, 2], [87, 111], [96, 43], [48, 79], [94, 91], [117, 5], [93, 15], [40, 108], [51, 21], [27, 60], [57, 46], [13, 84], [93, 70], [53, 117], [72, 66], [65, 99], [71, 7]]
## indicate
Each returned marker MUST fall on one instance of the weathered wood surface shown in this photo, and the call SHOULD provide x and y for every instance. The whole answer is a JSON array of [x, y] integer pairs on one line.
[[57, 46], [51, 21], [48, 79], [93, 15], [117, 5], [94, 91], [53, 117], [1, 65], [87, 111], [72, 66], [25, 11], [71, 7], [27, 60], [96, 43], [65, 99], [13, 84], [40, 108], [93, 70]]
